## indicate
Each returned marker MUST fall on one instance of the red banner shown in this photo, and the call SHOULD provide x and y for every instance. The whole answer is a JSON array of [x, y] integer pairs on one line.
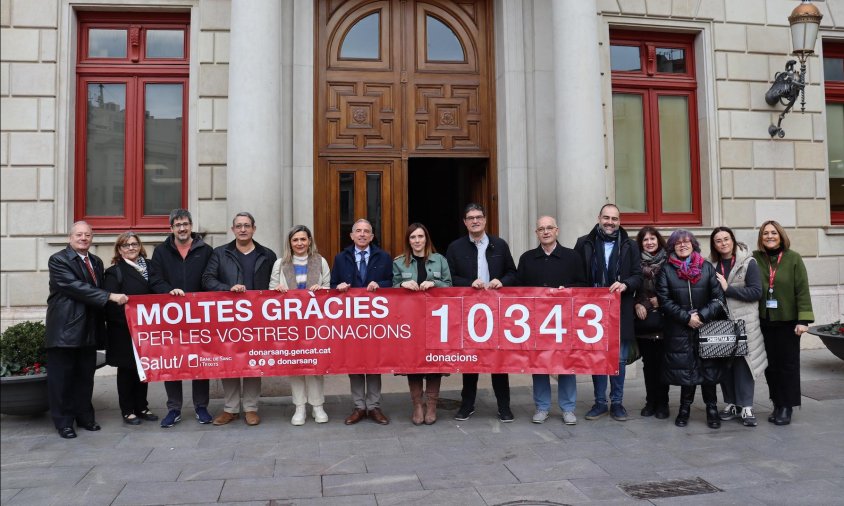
[[265, 333]]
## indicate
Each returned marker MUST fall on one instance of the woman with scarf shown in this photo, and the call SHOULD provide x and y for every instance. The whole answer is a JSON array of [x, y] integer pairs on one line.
[[128, 274], [689, 296], [648, 323], [302, 268], [738, 274], [785, 312]]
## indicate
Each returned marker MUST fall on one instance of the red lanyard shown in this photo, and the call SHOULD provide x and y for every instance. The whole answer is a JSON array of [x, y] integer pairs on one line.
[[772, 273], [732, 264]]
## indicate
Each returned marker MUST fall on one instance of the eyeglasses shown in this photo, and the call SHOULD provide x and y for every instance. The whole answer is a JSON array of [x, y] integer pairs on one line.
[[683, 243], [479, 217], [181, 225], [243, 226], [541, 230], [130, 245]]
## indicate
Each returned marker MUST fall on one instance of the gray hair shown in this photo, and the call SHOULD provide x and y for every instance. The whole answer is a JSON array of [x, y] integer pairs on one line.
[[175, 214], [246, 214]]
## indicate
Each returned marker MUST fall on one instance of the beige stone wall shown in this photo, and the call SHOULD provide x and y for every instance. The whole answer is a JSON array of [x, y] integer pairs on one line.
[[37, 39], [759, 178]]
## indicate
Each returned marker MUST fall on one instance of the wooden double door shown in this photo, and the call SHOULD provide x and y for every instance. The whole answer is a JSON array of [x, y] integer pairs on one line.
[[404, 104]]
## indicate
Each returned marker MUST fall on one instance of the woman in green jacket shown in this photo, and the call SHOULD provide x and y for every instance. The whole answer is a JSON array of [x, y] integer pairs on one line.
[[785, 312], [418, 269]]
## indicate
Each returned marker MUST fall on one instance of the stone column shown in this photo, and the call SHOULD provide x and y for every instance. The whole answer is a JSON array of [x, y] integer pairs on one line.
[[253, 176], [581, 171]]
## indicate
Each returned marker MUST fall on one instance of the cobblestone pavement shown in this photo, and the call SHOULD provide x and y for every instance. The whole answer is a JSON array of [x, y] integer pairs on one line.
[[476, 462]]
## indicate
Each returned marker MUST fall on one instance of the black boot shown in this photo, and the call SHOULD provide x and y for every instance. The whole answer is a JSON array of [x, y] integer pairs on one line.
[[687, 395], [773, 416], [713, 421], [782, 416]]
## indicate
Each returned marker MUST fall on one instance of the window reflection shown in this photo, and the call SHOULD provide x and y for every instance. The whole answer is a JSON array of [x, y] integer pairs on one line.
[[625, 58], [165, 44], [162, 148], [670, 60], [105, 149], [629, 144], [443, 44], [675, 154], [106, 43], [363, 39], [833, 69]]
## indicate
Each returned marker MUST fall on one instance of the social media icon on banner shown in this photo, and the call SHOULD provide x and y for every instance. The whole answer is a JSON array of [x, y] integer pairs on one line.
[[252, 362], [271, 362], [193, 360], [261, 362]]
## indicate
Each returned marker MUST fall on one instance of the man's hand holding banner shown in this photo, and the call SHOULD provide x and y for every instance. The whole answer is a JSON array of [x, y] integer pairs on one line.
[[265, 333]]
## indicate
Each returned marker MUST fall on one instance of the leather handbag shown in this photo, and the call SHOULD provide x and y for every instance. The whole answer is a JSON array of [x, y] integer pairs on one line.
[[722, 338]]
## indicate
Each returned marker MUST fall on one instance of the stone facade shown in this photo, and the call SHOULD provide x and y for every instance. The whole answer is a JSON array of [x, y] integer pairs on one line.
[[746, 177]]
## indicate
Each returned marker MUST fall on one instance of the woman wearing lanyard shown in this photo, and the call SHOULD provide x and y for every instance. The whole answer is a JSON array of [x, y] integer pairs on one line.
[[785, 312], [738, 274]]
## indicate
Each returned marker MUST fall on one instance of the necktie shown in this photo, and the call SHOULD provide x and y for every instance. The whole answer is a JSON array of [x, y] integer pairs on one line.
[[90, 270], [362, 267]]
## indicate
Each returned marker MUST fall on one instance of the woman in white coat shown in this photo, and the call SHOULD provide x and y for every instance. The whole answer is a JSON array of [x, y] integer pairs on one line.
[[301, 267]]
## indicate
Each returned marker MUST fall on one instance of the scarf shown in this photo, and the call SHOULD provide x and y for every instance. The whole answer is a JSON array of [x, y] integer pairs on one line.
[[604, 273], [651, 264], [689, 269], [140, 266]]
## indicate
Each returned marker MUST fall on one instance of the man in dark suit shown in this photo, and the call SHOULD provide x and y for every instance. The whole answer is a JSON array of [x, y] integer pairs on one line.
[[75, 326], [363, 265], [483, 262]]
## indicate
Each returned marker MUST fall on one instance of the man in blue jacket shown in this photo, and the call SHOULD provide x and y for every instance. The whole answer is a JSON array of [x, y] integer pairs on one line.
[[483, 262], [363, 265]]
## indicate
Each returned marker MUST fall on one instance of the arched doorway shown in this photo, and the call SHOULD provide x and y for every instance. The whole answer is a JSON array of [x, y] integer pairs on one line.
[[404, 126]]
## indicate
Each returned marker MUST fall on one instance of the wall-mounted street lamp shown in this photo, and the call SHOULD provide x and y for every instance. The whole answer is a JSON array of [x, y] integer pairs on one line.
[[805, 21]]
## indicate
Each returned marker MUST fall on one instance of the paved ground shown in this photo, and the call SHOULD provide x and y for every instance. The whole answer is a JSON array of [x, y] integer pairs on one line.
[[480, 461]]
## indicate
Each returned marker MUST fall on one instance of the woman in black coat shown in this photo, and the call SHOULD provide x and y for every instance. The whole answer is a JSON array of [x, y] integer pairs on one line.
[[128, 275], [689, 294]]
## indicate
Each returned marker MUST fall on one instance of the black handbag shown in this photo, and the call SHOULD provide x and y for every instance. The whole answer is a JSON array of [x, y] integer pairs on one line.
[[722, 338], [650, 327]]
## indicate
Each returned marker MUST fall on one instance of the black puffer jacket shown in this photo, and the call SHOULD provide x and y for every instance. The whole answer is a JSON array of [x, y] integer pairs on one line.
[[681, 365]]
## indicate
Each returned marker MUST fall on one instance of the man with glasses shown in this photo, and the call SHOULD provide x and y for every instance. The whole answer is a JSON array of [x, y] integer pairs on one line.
[[612, 261], [75, 329], [363, 265], [554, 266], [176, 268], [240, 265], [483, 262]]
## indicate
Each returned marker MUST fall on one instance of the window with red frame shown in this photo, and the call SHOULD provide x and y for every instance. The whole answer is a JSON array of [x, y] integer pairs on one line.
[[131, 120], [655, 139], [833, 72]]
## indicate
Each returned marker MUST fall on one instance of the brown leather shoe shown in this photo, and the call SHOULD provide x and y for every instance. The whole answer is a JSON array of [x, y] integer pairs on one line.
[[252, 418], [378, 417], [225, 417], [356, 416]]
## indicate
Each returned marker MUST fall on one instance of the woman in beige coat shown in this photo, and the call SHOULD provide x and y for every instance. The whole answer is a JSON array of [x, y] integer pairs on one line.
[[301, 267], [739, 276]]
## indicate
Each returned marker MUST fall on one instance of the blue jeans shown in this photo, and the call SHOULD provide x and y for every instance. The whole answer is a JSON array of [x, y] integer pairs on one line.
[[566, 391], [616, 382]]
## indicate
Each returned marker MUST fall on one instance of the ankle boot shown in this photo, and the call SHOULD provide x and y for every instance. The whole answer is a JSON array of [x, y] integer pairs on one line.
[[783, 416], [713, 421], [432, 392], [773, 416], [687, 396], [416, 396]]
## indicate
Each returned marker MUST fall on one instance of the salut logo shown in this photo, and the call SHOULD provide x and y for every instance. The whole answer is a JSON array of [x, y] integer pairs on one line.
[[161, 363]]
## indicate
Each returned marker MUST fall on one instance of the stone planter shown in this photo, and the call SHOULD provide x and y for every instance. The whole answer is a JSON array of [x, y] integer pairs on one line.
[[833, 342], [24, 395]]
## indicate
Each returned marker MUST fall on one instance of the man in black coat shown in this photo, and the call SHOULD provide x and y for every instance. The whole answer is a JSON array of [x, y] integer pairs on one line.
[[176, 268], [75, 327], [552, 265], [612, 260], [240, 265], [483, 262], [363, 265]]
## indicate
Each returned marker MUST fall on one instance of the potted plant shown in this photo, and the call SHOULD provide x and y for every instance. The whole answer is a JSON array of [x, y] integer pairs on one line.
[[832, 336], [23, 370]]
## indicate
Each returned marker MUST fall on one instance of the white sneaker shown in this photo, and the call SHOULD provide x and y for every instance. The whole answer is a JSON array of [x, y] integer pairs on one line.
[[540, 416], [299, 416], [320, 416], [569, 418]]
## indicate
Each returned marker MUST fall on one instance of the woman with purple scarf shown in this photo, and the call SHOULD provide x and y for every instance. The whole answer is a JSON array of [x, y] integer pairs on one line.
[[689, 296]]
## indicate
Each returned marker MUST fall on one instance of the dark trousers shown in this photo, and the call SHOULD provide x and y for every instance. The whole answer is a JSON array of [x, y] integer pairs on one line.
[[199, 389], [687, 394], [653, 350], [783, 372], [70, 385], [131, 392], [500, 385]]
